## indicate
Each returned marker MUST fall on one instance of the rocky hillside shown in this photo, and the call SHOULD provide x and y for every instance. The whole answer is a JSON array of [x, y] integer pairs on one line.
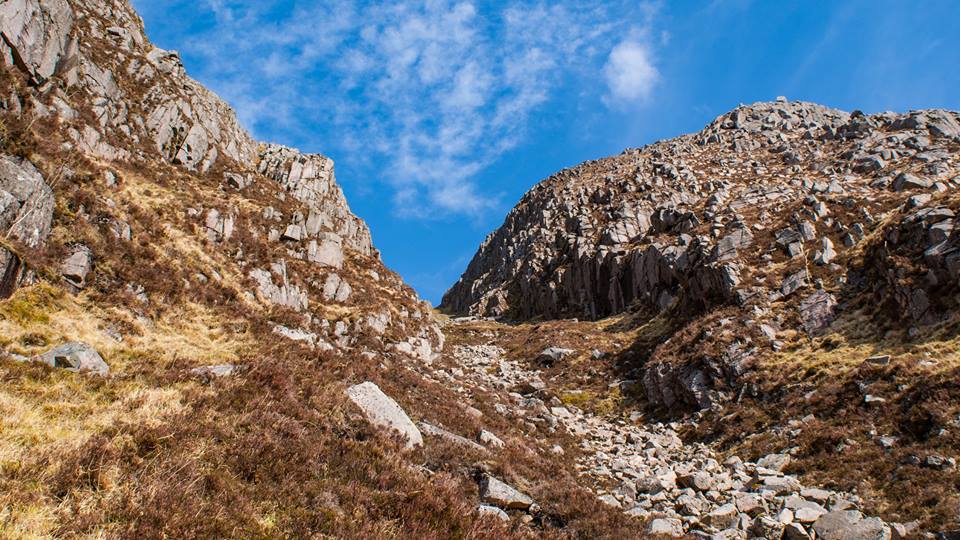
[[747, 332], [784, 281], [703, 219]]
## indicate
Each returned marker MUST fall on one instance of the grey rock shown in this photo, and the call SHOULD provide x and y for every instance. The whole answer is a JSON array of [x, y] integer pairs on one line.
[[26, 201], [501, 494], [383, 412], [817, 311], [486, 510], [75, 356], [905, 181], [78, 266], [666, 526]]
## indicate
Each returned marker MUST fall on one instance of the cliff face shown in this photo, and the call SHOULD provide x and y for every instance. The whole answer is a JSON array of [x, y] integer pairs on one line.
[[706, 218]]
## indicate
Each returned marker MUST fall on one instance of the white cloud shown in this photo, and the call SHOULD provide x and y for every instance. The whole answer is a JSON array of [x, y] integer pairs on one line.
[[630, 73], [435, 90]]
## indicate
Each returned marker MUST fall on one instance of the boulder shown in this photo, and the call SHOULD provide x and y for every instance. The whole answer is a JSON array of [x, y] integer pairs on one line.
[[490, 440], [666, 526], [208, 373], [499, 493], [485, 510], [905, 181], [77, 266], [383, 412], [850, 525], [75, 356], [552, 355]]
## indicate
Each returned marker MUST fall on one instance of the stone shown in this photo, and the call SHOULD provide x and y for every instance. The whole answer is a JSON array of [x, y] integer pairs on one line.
[[552, 355], [837, 525], [383, 412], [774, 462], [794, 531], [724, 517], [905, 181], [501, 494], [38, 35], [26, 201], [326, 251], [208, 373], [335, 289], [77, 267], [75, 356], [793, 283], [751, 504], [490, 440], [485, 510], [826, 254], [666, 526]]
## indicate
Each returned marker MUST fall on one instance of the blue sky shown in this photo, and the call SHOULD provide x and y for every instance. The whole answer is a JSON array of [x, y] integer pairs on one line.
[[440, 114]]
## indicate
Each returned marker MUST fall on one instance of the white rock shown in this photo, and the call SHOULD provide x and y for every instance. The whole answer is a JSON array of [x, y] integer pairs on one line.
[[384, 412]]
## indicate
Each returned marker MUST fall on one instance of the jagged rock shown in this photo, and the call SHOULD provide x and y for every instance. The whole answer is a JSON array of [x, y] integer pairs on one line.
[[497, 492], [77, 266], [284, 294], [335, 289], [906, 181], [37, 38], [774, 462], [817, 311], [328, 252], [381, 411], [26, 201], [219, 228], [793, 283], [75, 356], [827, 254]]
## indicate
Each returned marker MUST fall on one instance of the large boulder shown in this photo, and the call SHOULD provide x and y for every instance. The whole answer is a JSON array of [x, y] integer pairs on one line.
[[383, 412], [503, 495], [75, 356]]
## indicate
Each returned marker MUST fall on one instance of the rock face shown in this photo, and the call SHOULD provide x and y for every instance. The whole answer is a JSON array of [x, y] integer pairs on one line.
[[383, 412], [95, 56], [687, 223], [26, 214]]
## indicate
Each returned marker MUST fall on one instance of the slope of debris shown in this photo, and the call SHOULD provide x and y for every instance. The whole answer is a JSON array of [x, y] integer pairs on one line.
[[786, 280]]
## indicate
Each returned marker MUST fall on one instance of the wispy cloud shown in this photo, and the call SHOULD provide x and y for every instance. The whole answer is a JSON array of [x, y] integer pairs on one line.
[[630, 72], [435, 90]]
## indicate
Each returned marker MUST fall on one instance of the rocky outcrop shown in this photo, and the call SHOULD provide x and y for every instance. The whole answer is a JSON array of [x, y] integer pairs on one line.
[[913, 268], [26, 215], [95, 55], [689, 223]]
